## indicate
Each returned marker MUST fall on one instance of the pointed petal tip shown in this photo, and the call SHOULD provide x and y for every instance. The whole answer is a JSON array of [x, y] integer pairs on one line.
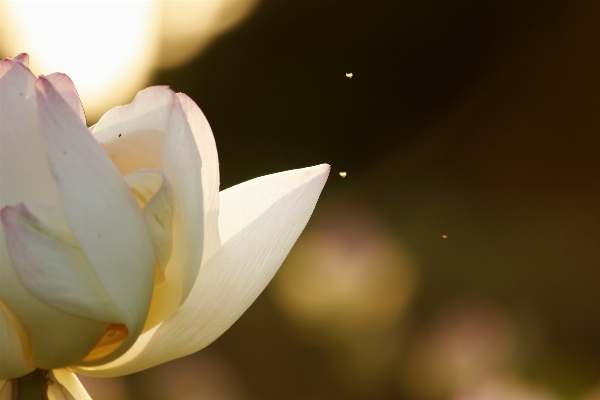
[[58, 88], [15, 210], [42, 84], [9, 63], [321, 170], [64, 85], [323, 167], [22, 58]]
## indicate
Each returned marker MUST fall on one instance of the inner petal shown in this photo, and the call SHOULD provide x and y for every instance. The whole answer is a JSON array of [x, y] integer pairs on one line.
[[155, 195], [51, 264], [132, 151]]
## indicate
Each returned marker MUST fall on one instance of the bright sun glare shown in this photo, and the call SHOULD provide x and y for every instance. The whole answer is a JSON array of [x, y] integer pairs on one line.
[[110, 48], [106, 47]]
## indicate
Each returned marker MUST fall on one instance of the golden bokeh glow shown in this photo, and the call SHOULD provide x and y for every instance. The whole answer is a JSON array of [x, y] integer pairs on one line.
[[107, 48], [110, 48], [188, 26]]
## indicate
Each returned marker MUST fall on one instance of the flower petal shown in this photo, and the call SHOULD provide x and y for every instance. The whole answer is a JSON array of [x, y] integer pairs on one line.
[[66, 386], [52, 266], [22, 58], [24, 171], [182, 168], [148, 134], [156, 195], [14, 346], [243, 203], [56, 337], [133, 135], [6, 390], [205, 142], [232, 279], [102, 212], [64, 85]]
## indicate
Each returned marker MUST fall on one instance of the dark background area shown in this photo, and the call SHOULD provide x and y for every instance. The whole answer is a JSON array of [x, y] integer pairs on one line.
[[472, 119], [276, 94]]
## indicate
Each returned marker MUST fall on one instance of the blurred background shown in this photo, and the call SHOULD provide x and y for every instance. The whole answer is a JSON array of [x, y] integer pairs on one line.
[[459, 257]]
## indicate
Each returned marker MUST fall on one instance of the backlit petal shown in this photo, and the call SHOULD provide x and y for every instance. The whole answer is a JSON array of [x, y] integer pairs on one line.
[[66, 386], [182, 168], [64, 85], [102, 212], [57, 338], [243, 203], [52, 266], [6, 390], [133, 135], [23, 58], [15, 346], [232, 279], [154, 192], [24, 170], [205, 142]]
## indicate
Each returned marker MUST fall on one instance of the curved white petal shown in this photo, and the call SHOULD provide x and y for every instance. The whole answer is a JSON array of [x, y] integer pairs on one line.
[[154, 191], [23, 58], [232, 279], [205, 142], [64, 85], [6, 390], [66, 386], [182, 168], [52, 265], [163, 131], [24, 171], [133, 135], [57, 338], [102, 212], [14, 346], [243, 203]]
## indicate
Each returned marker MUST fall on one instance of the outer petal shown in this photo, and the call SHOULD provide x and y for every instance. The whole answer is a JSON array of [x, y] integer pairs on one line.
[[24, 171], [182, 168], [56, 337], [64, 85], [205, 142], [14, 346], [23, 58], [154, 192], [161, 131], [53, 267], [133, 135], [101, 210], [233, 278], [6, 390], [66, 386]]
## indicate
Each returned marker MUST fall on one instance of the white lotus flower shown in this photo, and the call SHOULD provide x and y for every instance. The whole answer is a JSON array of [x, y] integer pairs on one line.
[[117, 250]]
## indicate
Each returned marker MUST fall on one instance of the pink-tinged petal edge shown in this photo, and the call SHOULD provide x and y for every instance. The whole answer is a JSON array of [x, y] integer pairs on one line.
[[101, 210], [64, 85], [22, 58], [52, 266], [25, 177]]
